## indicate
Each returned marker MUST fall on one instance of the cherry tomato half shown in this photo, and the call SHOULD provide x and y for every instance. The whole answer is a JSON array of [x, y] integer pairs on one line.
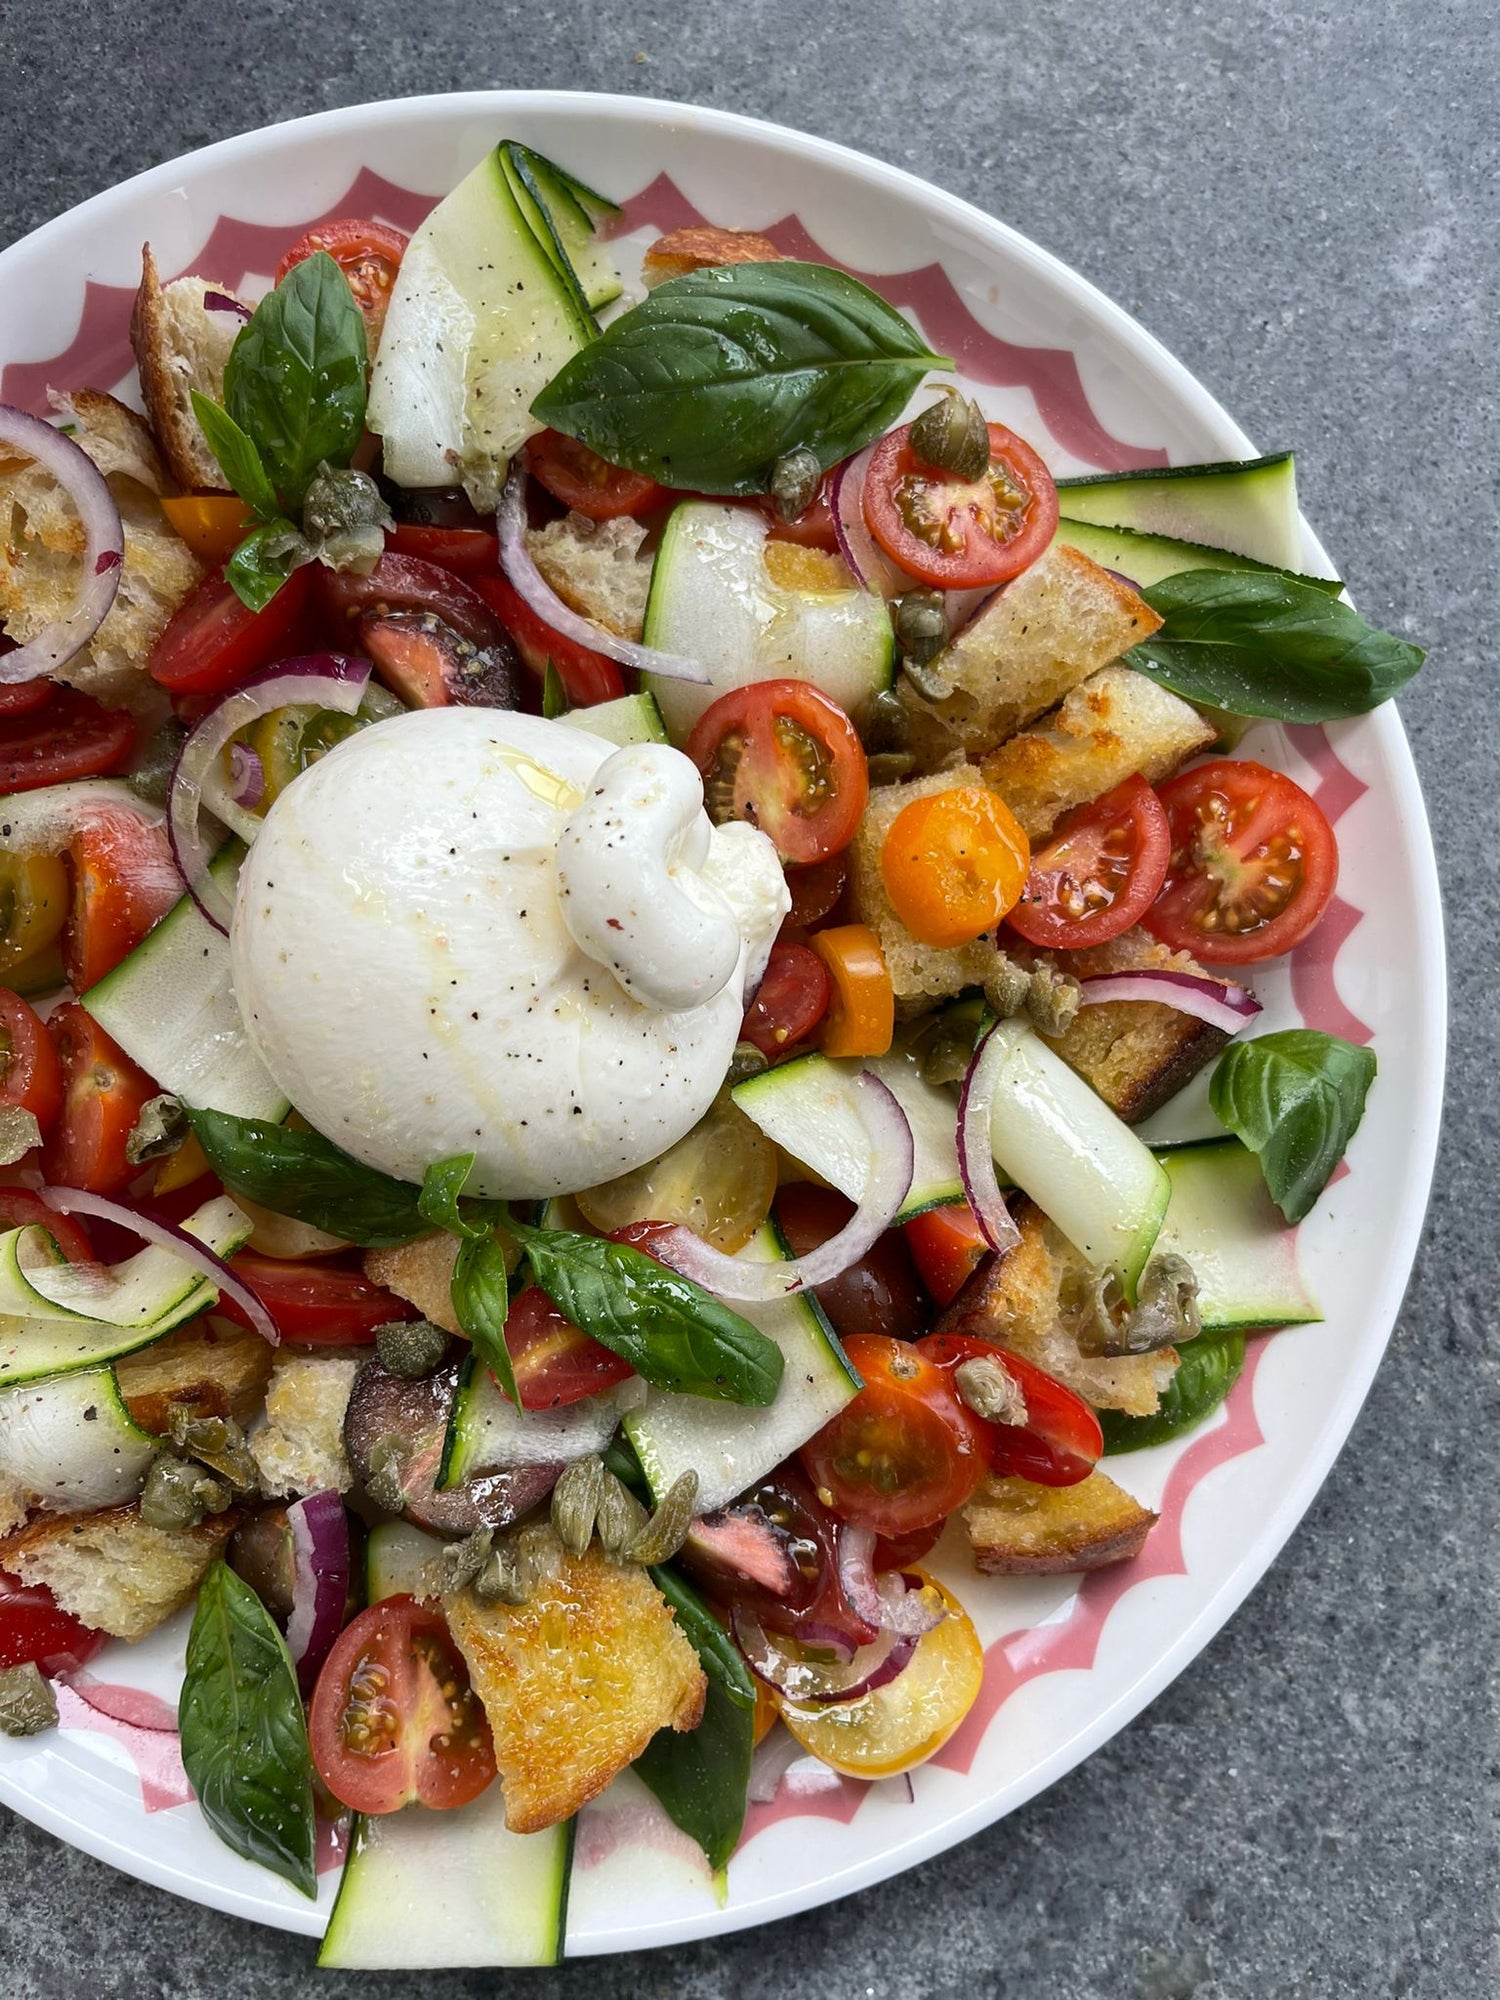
[[905, 1452], [958, 533], [947, 1246], [320, 1304], [69, 736], [1254, 864], [403, 583], [787, 759], [953, 863], [369, 255], [879, 1294], [394, 1718], [1099, 872], [556, 1362], [103, 1092], [790, 1001], [466, 551], [212, 642], [19, 1207], [587, 677], [124, 881], [35, 1628], [30, 1075], [587, 483], [1060, 1441], [19, 697], [813, 527]]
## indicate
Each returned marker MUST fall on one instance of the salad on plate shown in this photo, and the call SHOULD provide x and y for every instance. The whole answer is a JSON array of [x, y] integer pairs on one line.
[[629, 945]]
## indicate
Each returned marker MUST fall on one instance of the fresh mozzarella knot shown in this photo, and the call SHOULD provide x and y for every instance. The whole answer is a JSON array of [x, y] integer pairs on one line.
[[629, 882]]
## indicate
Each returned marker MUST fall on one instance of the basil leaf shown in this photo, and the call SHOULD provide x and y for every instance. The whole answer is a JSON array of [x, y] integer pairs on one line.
[[244, 1735], [295, 380], [718, 374], [239, 461], [554, 695], [264, 560], [1296, 1099], [702, 1777], [481, 1299], [673, 1333], [305, 1175], [1209, 1369], [1269, 643], [441, 1187]]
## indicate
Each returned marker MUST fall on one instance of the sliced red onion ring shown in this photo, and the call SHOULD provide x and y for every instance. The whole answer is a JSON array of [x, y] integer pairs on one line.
[[167, 1236], [103, 545], [907, 1606], [221, 302], [781, 1663], [1218, 1001], [775, 1752], [857, 1573], [533, 587], [247, 776], [806, 1776], [318, 680], [859, 548], [976, 1158], [320, 1581], [44, 822], [892, 1158]]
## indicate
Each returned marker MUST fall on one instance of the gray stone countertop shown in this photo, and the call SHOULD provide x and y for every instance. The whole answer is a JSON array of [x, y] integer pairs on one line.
[[1301, 201]]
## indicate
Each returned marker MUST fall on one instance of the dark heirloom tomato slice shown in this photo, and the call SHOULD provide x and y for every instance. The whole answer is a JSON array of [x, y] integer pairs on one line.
[[314, 1302], [69, 736], [34, 1627], [587, 677], [880, 1293], [403, 583], [212, 642], [1099, 872], [1060, 1441], [587, 483], [30, 1076], [103, 1092], [1254, 864], [815, 891], [556, 1363], [394, 1719], [947, 1246], [790, 1001], [960, 533], [787, 759], [369, 255], [124, 881]]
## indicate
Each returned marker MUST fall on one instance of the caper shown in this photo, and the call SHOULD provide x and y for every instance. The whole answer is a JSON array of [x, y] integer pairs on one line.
[[747, 1061], [339, 500], [1052, 999], [987, 1387], [1094, 1306], [667, 1530], [217, 1442], [889, 767], [946, 1057], [27, 1703], [500, 1581], [1166, 1309], [537, 1553], [177, 1493], [151, 779], [794, 482], [887, 723], [575, 1502], [921, 627], [1006, 987], [459, 1563], [383, 1481], [160, 1129], [410, 1348], [953, 437], [620, 1519]]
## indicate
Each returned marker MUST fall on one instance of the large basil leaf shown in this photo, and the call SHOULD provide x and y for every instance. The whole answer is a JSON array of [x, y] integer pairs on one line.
[[720, 373], [1209, 1370], [244, 1736], [1260, 642], [1296, 1099], [673, 1333], [702, 1776], [305, 1175]]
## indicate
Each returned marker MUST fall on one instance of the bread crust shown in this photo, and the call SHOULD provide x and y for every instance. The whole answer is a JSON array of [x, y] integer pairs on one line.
[[1017, 1528]]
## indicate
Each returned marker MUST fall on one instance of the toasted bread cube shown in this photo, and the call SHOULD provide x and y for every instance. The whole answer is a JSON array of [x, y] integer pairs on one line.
[[300, 1447], [700, 249], [210, 1367], [1017, 1528], [1112, 725], [113, 1570], [576, 1681], [596, 567], [181, 346], [1057, 623], [420, 1272]]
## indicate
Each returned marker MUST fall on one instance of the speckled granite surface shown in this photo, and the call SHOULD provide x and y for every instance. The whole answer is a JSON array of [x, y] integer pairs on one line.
[[1301, 201]]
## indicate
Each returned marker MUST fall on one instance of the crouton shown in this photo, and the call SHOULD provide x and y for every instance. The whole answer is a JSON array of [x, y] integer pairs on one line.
[[684, 250], [1135, 1053], [210, 1367], [1060, 621], [42, 540], [597, 568], [1035, 1298], [113, 1570], [300, 1447], [15, 1504], [181, 346], [1017, 1528], [422, 1274], [1113, 724], [576, 1681]]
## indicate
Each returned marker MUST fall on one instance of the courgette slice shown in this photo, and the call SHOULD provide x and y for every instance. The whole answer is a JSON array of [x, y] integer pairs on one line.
[[634, 718], [396, 1557], [1222, 1220], [70, 1445], [1147, 559], [486, 1431], [1245, 505]]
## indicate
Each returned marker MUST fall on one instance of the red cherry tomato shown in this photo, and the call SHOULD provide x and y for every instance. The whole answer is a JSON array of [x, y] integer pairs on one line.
[[948, 1246], [958, 533], [124, 881], [1060, 1441], [1098, 874], [103, 1092], [466, 551], [68, 736], [587, 677], [18, 1207], [556, 1363], [1254, 864], [213, 642], [317, 1303], [35, 1628], [30, 1076], [17, 697], [813, 527], [790, 1001], [402, 583], [815, 891], [787, 759], [394, 1720], [587, 483], [369, 255], [881, 1293]]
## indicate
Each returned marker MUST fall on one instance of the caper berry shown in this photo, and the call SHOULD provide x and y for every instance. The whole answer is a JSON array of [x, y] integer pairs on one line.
[[410, 1348], [1052, 999], [620, 1519], [1007, 986], [794, 482], [667, 1530], [921, 626], [953, 437], [987, 1387], [461, 1562], [575, 1502]]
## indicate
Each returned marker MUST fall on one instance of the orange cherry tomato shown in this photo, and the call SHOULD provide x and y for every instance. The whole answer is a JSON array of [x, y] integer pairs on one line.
[[953, 864], [124, 881], [861, 1017], [103, 1092], [212, 524], [784, 757], [587, 483], [1099, 872], [369, 255], [1059, 1443], [30, 1076], [948, 1247], [959, 533]]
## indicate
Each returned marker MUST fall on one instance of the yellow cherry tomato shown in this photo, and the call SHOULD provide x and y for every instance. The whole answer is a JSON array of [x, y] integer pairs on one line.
[[765, 1713], [861, 1017], [719, 1179], [33, 906], [212, 524], [954, 863], [901, 1724]]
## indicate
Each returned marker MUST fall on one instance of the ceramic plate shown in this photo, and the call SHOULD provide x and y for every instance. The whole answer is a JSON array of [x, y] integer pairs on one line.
[[1067, 1663]]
